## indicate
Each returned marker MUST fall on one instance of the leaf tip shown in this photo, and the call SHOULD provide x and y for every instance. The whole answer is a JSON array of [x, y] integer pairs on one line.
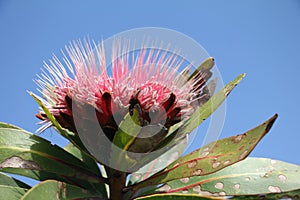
[[271, 121]]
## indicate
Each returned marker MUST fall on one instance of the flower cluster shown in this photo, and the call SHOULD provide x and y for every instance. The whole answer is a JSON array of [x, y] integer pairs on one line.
[[146, 79]]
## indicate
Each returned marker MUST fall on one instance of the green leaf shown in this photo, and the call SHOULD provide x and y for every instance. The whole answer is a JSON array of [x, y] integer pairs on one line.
[[5, 125], [204, 66], [212, 157], [9, 181], [92, 165], [11, 192], [30, 155], [251, 176], [273, 196], [62, 131], [11, 189], [176, 197], [130, 124], [210, 106], [83, 156], [51, 189], [123, 140], [178, 131], [153, 167], [159, 163]]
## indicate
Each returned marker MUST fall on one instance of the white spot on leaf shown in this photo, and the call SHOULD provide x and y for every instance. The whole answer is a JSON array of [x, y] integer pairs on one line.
[[274, 189], [237, 186], [226, 162], [165, 188], [222, 193], [219, 185], [282, 177], [238, 138], [185, 180], [197, 188], [204, 154], [192, 164], [273, 162], [247, 179], [176, 164], [216, 164], [244, 154], [197, 172], [205, 193]]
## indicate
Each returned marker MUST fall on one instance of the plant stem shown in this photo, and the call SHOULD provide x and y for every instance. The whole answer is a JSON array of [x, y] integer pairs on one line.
[[117, 180]]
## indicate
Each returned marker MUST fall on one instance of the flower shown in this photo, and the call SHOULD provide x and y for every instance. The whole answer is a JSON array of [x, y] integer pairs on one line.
[[146, 80]]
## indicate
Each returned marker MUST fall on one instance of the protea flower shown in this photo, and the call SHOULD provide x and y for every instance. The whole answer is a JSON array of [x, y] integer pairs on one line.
[[126, 127], [146, 80]]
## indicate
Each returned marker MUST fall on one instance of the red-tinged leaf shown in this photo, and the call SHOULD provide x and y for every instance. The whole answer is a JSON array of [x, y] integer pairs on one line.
[[252, 176], [212, 157], [30, 155], [290, 195], [153, 167], [159, 163], [51, 189], [176, 197]]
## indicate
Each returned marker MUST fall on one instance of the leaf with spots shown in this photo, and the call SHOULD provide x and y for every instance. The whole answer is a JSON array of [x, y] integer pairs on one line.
[[11, 189], [251, 176], [176, 197], [29, 155], [212, 157], [159, 163], [290, 195], [51, 190]]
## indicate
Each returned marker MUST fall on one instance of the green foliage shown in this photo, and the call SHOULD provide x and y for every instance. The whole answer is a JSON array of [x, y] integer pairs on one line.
[[212, 157], [218, 170], [29, 155], [11, 188], [52, 189], [251, 176]]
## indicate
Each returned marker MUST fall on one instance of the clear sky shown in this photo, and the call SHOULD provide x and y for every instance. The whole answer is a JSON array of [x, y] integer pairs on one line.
[[261, 38]]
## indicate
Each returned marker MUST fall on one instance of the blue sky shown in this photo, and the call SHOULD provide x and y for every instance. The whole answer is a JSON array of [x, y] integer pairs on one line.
[[258, 37]]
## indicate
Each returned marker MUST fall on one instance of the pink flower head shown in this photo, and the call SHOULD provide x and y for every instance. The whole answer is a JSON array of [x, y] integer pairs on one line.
[[147, 79]]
